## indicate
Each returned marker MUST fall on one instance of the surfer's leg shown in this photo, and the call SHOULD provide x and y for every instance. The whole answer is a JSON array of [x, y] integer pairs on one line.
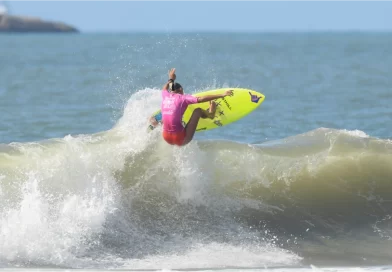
[[198, 113], [190, 128]]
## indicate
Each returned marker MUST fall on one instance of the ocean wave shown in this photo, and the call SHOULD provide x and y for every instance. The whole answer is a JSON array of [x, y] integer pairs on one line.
[[123, 196]]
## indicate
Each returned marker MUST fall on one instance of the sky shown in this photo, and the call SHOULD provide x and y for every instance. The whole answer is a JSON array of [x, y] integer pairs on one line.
[[170, 16]]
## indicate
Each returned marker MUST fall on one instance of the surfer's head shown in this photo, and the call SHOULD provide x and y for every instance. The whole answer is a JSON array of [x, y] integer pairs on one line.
[[177, 88]]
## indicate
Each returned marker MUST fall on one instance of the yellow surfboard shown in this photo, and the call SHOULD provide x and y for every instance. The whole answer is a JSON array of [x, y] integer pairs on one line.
[[229, 109]]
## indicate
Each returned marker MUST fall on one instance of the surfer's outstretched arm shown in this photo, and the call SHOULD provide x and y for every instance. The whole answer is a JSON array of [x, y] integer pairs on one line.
[[172, 77], [207, 98]]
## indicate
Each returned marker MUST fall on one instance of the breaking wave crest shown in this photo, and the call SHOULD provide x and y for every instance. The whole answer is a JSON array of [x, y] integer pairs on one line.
[[123, 198]]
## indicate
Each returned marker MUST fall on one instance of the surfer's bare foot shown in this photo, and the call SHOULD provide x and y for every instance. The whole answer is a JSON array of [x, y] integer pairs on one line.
[[212, 110], [210, 113]]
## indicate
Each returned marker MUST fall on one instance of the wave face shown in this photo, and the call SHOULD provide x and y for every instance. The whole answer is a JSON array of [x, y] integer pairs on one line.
[[123, 198]]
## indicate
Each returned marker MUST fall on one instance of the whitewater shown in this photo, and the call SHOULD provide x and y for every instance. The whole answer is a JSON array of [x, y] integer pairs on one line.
[[124, 199]]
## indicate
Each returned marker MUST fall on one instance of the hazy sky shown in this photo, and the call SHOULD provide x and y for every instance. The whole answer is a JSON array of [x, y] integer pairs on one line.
[[207, 15]]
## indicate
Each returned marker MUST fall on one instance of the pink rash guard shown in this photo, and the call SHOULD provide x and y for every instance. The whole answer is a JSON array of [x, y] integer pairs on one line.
[[173, 107]]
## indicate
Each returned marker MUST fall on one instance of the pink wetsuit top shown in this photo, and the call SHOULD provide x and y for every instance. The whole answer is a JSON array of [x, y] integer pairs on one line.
[[173, 107]]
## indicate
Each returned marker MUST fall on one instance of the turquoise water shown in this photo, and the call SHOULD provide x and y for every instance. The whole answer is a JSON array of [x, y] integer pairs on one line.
[[303, 180]]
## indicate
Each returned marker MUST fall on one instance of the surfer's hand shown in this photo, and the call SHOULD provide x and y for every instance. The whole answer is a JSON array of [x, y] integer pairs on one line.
[[172, 74], [228, 93], [153, 121]]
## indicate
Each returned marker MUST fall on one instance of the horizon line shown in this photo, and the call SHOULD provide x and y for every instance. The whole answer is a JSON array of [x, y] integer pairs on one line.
[[233, 31]]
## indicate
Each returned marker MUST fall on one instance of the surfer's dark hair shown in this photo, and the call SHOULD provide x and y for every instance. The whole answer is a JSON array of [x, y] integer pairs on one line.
[[175, 86]]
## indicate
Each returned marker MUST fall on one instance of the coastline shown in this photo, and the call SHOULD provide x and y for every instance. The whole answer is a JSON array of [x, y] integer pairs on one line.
[[11, 23]]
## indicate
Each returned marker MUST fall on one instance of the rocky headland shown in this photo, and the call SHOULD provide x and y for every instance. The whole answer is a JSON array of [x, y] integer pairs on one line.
[[11, 23]]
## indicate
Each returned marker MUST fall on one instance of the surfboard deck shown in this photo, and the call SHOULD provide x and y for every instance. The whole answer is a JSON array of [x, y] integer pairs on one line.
[[229, 109]]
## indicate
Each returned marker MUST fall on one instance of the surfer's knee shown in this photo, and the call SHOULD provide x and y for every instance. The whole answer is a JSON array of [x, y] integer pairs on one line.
[[199, 112]]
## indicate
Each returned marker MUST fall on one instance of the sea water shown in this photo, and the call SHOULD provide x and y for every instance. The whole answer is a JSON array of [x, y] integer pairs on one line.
[[302, 183]]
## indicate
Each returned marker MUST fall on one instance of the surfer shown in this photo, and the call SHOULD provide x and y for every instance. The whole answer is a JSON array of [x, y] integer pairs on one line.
[[174, 104]]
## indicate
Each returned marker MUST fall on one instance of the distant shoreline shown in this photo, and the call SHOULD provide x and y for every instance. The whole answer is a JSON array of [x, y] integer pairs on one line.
[[25, 24]]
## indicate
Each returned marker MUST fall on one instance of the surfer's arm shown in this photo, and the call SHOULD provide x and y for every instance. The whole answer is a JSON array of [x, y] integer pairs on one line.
[[172, 77], [207, 98], [153, 121]]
